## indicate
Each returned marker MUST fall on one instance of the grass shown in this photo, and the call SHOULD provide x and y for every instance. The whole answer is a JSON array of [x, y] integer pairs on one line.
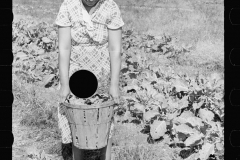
[[38, 106], [194, 23], [35, 108], [34, 118], [141, 153], [173, 17]]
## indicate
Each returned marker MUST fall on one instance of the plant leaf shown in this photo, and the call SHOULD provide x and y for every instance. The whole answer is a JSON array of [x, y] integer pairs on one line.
[[184, 129], [171, 116], [139, 107], [219, 146], [158, 129], [21, 55], [192, 139], [195, 121], [173, 104], [206, 115], [150, 114], [195, 86], [186, 114], [48, 78], [130, 98], [159, 97], [46, 40], [130, 87], [206, 150], [197, 105], [183, 102], [188, 117], [180, 85], [127, 115]]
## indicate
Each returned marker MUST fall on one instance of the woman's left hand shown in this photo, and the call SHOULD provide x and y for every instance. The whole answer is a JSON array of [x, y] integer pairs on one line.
[[114, 93]]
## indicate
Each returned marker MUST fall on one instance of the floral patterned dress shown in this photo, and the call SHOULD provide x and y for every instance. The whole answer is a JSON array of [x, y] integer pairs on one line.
[[89, 40]]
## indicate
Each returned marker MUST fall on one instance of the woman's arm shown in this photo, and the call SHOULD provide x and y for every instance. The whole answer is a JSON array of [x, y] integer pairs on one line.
[[64, 38], [115, 47]]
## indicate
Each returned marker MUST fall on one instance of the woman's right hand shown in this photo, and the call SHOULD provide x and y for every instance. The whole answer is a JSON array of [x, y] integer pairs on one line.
[[64, 92]]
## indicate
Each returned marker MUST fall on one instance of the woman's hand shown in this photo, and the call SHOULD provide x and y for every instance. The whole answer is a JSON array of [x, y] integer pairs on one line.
[[64, 92], [114, 93]]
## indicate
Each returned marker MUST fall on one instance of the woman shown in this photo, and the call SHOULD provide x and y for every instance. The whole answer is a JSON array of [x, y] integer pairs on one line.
[[90, 34]]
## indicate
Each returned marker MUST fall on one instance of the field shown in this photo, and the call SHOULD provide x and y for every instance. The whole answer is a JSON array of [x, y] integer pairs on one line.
[[171, 81]]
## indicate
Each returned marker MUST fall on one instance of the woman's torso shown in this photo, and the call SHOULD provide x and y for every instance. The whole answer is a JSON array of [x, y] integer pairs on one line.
[[89, 41]]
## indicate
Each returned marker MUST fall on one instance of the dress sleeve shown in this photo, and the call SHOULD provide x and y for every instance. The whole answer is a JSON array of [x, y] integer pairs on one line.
[[115, 21], [63, 15]]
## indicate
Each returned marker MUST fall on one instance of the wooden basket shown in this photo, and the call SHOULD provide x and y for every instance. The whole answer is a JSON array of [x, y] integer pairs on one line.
[[90, 124]]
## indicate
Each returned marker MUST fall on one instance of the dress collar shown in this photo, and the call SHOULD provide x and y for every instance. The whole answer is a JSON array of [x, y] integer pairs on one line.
[[87, 18]]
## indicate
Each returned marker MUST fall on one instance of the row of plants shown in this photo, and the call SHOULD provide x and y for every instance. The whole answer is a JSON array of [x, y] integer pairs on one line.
[[186, 111]]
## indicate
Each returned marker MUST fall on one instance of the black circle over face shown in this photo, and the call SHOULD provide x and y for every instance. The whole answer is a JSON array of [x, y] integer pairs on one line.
[[83, 84]]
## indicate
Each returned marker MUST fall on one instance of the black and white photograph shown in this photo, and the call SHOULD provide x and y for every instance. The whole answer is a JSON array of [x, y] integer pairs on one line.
[[118, 80]]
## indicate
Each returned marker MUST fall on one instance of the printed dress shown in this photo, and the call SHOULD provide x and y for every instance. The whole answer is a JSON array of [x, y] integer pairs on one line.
[[89, 39]]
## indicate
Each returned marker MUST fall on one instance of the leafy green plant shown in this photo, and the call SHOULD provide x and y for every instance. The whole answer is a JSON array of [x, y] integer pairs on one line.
[[187, 110]]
